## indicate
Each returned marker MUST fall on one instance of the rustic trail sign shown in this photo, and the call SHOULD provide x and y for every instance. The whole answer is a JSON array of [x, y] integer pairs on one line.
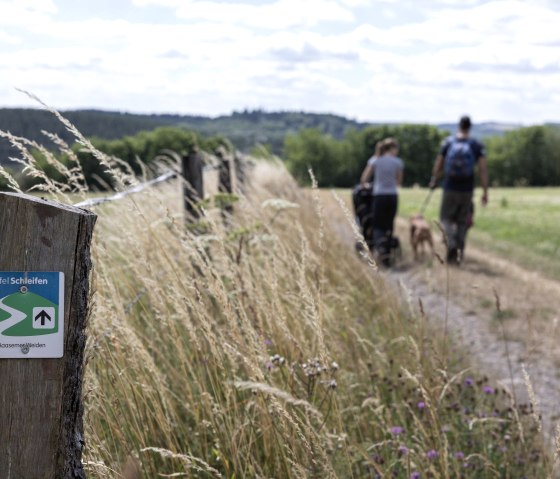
[[31, 314], [44, 288]]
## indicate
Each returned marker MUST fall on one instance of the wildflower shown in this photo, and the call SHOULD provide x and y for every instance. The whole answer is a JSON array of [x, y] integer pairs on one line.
[[334, 366], [268, 342], [488, 390], [277, 359], [469, 382], [459, 455], [432, 454], [402, 450], [332, 384], [415, 475], [421, 405], [396, 430]]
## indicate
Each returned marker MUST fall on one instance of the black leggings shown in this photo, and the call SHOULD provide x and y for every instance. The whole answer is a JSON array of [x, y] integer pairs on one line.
[[384, 212]]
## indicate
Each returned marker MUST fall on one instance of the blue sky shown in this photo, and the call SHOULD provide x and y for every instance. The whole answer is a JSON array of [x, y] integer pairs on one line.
[[378, 60]]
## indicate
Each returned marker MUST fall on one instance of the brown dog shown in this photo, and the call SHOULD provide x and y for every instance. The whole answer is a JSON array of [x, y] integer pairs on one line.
[[420, 233]]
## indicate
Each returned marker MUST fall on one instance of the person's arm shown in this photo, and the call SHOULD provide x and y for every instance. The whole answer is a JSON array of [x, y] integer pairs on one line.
[[483, 172], [437, 171], [366, 174]]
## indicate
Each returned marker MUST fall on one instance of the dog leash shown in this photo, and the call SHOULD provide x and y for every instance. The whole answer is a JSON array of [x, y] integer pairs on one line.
[[426, 201]]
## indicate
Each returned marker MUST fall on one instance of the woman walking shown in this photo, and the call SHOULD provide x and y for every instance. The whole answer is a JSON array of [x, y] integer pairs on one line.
[[387, 170]]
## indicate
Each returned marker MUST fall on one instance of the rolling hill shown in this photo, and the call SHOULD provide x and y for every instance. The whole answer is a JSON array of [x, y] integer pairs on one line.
[[244, 129]]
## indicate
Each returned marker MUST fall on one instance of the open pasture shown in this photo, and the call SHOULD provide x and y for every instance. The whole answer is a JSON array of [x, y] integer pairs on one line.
[[519, 224]]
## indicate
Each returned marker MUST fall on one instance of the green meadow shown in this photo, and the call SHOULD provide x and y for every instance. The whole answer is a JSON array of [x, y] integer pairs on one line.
[[520, 224]]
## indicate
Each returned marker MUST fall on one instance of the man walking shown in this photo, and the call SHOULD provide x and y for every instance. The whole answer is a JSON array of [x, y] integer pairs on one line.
[[456, 161]]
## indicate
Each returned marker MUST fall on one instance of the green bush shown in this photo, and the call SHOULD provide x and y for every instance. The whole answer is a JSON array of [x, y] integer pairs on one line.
[[341, 162]]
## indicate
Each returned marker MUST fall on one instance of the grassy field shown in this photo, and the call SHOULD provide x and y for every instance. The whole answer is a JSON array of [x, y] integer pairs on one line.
[[264, 348], [521, 224], [254, 351]]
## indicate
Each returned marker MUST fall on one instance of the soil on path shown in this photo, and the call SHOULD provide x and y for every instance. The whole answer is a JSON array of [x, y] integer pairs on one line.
[[521, 336]]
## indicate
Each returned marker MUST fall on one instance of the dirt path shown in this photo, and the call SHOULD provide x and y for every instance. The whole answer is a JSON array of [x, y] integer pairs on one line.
[[489, 351], [529, 305]]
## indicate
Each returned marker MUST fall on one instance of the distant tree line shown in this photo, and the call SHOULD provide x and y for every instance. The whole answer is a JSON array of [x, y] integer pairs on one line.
[[340, 162], [136, 152], [335, 148], [526, 156], [244, 129]]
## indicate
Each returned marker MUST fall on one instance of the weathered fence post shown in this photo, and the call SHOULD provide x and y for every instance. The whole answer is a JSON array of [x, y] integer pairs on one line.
[[226, 173], [193, 189], [44, 286], [240, 172]]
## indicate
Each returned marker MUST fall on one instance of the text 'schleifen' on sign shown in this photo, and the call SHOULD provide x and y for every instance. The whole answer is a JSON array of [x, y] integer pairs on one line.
[[31, 314]]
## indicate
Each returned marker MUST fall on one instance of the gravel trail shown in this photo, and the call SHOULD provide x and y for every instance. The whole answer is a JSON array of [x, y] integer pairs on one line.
[[476, 328]]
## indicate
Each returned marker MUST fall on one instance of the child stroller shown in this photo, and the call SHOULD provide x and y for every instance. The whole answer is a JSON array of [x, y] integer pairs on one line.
[[387, 246]]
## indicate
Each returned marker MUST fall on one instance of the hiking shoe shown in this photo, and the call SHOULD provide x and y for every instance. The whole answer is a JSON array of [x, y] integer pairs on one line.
[[453, 256]]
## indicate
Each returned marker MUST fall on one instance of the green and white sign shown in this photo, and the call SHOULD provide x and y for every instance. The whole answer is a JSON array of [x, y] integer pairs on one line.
[[31, 314]]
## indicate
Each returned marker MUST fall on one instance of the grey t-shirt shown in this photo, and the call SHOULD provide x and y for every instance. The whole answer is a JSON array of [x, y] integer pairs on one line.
[[385, 170]]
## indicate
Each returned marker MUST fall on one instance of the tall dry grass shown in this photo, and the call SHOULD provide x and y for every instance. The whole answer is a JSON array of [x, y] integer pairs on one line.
[[265, 348]]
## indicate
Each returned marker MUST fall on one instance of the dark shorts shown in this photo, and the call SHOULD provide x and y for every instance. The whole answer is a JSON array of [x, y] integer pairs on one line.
[[456, 206]]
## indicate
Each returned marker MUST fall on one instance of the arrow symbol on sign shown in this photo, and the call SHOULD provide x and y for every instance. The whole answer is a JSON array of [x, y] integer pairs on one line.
[[43, 316]]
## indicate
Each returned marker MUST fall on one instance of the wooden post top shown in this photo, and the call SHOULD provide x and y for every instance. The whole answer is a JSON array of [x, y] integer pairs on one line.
[[41, 430]]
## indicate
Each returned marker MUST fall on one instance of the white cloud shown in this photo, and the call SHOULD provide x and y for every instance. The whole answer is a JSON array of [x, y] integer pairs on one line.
[[25, 12], [276, 15], [493, 58], [9, 39]]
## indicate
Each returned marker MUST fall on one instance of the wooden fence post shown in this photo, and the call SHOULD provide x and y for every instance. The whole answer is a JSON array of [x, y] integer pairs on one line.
[[240, 172], [44, 284], [225, 177], [193, 189], [226, 180]]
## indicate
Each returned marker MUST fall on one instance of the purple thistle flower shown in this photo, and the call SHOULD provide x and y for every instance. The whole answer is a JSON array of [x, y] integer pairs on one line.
[[488, 390], [403, 450], [268, 342], [396, 430], [459, 455], [415, 475], [421, 405], [469, 382], [432, 454]]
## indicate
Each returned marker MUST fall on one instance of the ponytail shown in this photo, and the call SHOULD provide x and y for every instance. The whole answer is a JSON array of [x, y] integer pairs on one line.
[[386, 145]]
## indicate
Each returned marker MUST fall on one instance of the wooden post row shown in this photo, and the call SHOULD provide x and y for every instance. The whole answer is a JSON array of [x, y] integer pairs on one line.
[[225, 178], [240, 172], [193, 189], [44, 283]]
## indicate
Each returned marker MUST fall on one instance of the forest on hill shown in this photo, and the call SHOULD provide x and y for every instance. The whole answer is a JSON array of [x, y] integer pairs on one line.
[[336, 148], [244, 129]]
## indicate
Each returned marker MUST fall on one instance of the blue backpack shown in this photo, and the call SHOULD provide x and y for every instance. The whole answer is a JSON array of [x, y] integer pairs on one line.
[[460, 159]]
